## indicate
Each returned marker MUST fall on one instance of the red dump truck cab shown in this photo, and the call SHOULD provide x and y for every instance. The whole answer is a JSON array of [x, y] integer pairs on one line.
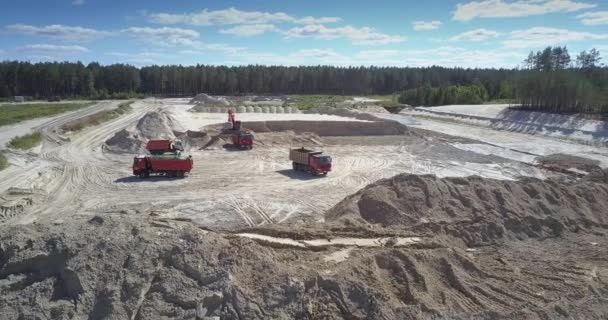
[[170, 166], [243, 140], [314, 162], [163, 146]]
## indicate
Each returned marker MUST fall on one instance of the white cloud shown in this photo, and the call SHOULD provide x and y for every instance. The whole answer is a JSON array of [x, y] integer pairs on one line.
[[521, 8], [249, 30], [51, 48], [168, 37], [594, 18], [358, 36], [36, 57], [139, 58], [232, 16], [225, 48], [543, 36], [58, 32], [314, 56], [448, 56], [426, 25], [476, 35], [77, 2]]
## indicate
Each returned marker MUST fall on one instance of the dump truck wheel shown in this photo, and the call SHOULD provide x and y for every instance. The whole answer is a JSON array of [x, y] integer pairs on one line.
[[324, 173]]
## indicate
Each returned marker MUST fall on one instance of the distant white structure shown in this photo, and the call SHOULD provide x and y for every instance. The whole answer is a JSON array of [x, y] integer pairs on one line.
[[19, 99]]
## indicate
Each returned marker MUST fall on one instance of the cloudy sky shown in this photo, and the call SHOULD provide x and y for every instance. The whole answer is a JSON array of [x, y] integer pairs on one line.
[[480, 33]]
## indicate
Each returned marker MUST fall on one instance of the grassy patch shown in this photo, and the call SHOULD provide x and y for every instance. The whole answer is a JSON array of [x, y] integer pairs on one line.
[[3, 161], [25, 142], [98, 118], [15, 113], [306, 102]]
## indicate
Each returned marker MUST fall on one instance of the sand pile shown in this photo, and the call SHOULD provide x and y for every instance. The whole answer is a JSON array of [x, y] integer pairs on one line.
[[194, 140], [156, 125], [479, 210], [207, 100], [330, 128], [153, 125], [142, 268]]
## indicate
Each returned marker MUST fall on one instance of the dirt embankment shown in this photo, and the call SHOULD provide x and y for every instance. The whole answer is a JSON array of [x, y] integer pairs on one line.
[[477, 210], [330, 128], [142, 268]]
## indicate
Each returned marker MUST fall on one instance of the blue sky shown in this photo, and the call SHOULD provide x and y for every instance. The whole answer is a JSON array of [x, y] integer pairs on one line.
[[480, 33]]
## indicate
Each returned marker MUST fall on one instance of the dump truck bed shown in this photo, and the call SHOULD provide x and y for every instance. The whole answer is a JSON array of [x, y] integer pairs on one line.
[[301, 155], [171, 163]]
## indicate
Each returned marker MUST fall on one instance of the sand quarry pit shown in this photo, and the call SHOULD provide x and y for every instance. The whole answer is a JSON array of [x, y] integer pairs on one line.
[[407, 225]]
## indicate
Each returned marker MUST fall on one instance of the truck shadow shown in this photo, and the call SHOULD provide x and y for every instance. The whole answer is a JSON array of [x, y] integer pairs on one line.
[[232, 148], [299, 175], [134, 179]]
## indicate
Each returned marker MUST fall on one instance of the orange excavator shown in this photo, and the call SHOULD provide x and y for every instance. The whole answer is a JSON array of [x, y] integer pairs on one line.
[[240, 138]]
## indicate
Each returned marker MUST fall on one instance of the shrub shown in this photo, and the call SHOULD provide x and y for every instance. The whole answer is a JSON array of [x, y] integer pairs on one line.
[[26, 142]]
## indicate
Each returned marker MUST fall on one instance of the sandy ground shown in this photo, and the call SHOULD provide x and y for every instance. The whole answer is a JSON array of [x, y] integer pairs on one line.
[[108, 245], [573, 127], [483, 110], [226, 189], [512, 145]]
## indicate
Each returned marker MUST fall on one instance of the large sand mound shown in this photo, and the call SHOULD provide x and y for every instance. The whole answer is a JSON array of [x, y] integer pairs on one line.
[[479, 210], [142, 268], [330, 128], [153, 125]]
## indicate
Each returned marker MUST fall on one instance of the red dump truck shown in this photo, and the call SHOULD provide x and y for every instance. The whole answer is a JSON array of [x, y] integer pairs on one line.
[[314, 162], [163, 146], [166, 165], [243, 140]]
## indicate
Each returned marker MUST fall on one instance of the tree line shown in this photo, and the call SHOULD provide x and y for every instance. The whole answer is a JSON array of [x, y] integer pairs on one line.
[[550, 80], [555, 83], [444, 95], [94, 80]]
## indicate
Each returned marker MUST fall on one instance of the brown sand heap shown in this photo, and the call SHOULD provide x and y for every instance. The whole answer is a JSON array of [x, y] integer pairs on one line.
[[330, 128], [478, 210], [193, 140], [146, 268], [153, 125]]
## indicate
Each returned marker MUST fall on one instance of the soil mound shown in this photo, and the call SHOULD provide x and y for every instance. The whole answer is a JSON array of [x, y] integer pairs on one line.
[[330, 128], [156, 125], [142, 268], [153, 125], [479, 210], [125, 141], [194, 139]]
